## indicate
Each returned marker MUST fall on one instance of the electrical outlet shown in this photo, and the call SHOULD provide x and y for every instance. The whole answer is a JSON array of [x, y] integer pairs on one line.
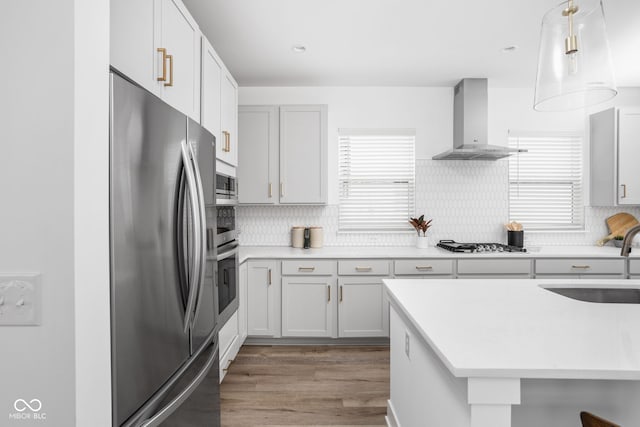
[[406, 344], [20, 299]]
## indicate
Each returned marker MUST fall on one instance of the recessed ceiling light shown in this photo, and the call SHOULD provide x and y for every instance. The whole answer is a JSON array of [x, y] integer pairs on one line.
[[299, 48], [509, 49]]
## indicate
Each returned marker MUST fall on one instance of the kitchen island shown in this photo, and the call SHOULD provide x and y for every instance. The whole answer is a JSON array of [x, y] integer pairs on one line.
[[505, 352]]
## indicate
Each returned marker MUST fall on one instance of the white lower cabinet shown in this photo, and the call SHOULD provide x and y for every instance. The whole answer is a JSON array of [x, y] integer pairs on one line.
[[229, 344], [584, 268], [362, 308], [262, 308], [308, 306], [634, 267]]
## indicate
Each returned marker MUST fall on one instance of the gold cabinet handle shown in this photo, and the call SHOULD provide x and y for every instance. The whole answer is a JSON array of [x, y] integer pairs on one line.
[[227, 141], [328, 293], [424, 267], [269, 278], [363, 269], [624, 191], [170, 58], [340, 293], [306, 269], [270, 190], [281, 189], [583, 267], [163, 51]]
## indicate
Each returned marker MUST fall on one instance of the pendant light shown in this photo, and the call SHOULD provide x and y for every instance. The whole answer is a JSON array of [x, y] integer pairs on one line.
[[574, 62]]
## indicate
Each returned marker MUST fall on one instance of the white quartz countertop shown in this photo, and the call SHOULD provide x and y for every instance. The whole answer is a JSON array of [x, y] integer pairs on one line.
[[516, 329], [398, 252]]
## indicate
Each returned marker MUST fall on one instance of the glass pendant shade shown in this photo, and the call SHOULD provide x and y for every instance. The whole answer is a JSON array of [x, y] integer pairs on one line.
[[574, 62]]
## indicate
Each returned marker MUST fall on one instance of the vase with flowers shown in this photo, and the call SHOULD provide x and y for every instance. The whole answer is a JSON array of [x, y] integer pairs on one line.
[[421, 226]]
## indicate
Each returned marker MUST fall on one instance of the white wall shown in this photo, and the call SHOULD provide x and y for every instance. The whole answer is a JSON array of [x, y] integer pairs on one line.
[[36, 196], [91, 213]]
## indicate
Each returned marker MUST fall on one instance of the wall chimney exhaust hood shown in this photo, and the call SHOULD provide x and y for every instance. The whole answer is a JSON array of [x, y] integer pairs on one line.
[[470, 122]]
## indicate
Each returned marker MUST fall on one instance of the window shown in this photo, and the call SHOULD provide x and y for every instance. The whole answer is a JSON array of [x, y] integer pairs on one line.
[[377, 179], [545, 184]]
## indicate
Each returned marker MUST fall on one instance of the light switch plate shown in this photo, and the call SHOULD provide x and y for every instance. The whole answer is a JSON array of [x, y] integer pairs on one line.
[[20, 299]]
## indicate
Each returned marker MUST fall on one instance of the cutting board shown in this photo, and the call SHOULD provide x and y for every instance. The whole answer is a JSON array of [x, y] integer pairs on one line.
[[618, 225]]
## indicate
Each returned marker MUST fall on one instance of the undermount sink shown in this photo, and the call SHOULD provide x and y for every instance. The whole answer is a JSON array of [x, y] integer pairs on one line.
[[600, 295]]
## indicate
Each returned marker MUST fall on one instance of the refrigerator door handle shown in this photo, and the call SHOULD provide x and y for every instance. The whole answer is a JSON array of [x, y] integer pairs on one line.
[[197, 236], [165, 412], [203, 234]]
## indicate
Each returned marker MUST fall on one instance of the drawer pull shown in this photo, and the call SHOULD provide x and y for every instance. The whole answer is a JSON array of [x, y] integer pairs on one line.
[[583, 267], [424, 267], [306, 269], [269, 274], [363, 269]]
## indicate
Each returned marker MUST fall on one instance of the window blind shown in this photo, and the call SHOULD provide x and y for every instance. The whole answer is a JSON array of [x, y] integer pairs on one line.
[[545, 183], [377, 179]]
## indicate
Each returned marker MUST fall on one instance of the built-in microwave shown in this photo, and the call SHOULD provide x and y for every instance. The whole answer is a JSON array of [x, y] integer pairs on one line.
[[226, 190]]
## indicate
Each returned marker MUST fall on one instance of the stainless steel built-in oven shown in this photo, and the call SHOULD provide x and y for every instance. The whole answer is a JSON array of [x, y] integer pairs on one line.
[[227, 281], [227, 247]]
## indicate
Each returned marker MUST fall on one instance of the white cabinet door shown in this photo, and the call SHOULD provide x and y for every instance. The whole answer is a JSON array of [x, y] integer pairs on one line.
[[261, 303], [132, 45], [362, 308], [303, 154], [180, 36], [308, 306], [228, 145], [628, 155], [211, 98], [258, 153]]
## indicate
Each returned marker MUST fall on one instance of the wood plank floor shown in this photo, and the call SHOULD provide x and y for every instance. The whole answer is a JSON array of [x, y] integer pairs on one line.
[[306, 386]]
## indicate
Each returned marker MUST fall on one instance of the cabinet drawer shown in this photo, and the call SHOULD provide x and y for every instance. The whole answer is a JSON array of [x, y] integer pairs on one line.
[[634, 266], [423, 267], [494, 266], [363, 267], [580, 266], [308, 268]]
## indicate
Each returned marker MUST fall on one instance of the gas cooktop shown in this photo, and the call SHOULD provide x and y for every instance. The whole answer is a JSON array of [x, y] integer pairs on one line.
[[453, 246]]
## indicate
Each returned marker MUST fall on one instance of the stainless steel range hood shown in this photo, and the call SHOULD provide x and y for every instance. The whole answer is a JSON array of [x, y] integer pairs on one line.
[[470, 121]]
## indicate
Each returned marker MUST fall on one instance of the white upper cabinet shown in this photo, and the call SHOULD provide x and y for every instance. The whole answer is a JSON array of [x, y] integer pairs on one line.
[[283, 154], [258, 170], [156, 43], [228, 144], [628, 155], [615, 148], [211, 106], [303, 154]]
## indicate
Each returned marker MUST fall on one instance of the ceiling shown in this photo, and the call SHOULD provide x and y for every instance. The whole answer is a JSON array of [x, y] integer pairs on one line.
[[395, 42]]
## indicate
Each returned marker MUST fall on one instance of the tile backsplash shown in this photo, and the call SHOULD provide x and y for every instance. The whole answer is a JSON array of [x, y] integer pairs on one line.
[[468, 201]]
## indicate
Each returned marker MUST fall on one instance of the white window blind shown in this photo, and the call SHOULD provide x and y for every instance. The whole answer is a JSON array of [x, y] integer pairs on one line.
[[545, 184], [377, 179]]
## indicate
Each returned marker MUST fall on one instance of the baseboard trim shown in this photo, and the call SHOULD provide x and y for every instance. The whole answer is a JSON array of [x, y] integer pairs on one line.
[[383, 341], [391, 419]]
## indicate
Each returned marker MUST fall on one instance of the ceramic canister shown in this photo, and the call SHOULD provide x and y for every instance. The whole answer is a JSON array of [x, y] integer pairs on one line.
[[297, 237]]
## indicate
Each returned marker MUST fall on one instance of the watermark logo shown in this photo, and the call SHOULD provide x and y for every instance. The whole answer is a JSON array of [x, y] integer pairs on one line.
[[28, 410]]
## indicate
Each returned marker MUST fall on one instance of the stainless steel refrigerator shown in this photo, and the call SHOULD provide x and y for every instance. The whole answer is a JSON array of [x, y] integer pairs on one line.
[[163, 264]]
